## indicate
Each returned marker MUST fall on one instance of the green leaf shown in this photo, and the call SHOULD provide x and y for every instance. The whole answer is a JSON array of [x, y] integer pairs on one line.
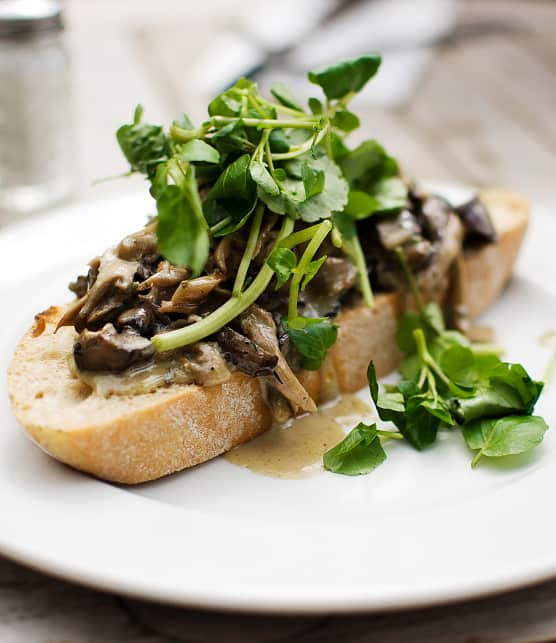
[[224, 104], [413, 420], [360, 205], [293, 200], [233, 138], [278, 141], [358, 453], [143, 145], [184, 122], [263, 178], [345, 224], [509, 435], [438, 408], [391, 402], [503, 389], [407, 323], [345, 120], [233, 196], [419, 426], [367, 164], [315, 106], [313, 180], [430, 321], [312, 338], [181, 229], [198, 151], [311, 270], [283, 95], [390, 194], [458, 362], [160, 180], [282, 261], [433, 318], [516, 376], [339, 148], [373, 382], [345, 77]]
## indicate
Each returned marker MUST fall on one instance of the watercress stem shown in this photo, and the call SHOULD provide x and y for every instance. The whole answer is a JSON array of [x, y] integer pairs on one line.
[[249, 249], [389, 435], [266, 123], [301, 149], [422, 377], [410, 279], [430, 363], [301, 236], [476, 459], [256, 105], [353, 247], [282, 108], [225, 313], [220, 225], [181, 135], [319, 236], [487, 349]]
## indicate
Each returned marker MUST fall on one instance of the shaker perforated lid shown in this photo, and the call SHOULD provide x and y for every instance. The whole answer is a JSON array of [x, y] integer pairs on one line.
[[27, 17]]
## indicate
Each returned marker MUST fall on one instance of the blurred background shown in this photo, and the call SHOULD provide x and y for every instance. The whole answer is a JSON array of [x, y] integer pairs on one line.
[[467, 91]]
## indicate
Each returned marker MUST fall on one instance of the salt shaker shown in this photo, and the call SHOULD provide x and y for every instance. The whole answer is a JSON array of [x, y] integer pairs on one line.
[[36, 167]]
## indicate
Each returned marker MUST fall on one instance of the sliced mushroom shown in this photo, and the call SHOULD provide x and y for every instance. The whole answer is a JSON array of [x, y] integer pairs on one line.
[[279, 406], [92, 275], [79, 286], [206, 364], [434, 280], [191, 293], [221, 254], [433, 216], [115, 282], [478, 225], [259, 326], [395, 230], [245, 354], [166, 276], [71, 313], [141, 318], [140, 246], [335, 277], [108, 350]]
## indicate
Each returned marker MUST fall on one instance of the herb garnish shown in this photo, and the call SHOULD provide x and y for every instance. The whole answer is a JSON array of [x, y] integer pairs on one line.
[[256, 156], [447, 382]]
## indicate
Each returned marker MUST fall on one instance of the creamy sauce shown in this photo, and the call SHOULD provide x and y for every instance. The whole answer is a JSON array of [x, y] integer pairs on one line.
[[329, 387], [135, 381], [295, 450]]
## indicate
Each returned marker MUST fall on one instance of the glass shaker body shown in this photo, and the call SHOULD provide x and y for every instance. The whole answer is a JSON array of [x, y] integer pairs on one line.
[[36, 125]]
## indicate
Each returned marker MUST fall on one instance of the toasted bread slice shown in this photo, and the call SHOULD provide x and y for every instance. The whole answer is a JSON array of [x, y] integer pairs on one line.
[[135, 438]]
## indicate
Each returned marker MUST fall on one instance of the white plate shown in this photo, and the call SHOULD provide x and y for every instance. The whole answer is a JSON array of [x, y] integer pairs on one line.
[[420, 530]]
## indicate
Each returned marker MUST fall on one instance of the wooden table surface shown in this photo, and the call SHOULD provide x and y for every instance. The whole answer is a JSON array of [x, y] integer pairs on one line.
[[484, 114]]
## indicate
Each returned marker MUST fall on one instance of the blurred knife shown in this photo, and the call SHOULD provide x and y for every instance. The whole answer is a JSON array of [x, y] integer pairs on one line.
[[266, 33], [283, 40]]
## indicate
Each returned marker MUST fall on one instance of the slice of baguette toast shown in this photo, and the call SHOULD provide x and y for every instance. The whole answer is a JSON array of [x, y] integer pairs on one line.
[[135, 438]]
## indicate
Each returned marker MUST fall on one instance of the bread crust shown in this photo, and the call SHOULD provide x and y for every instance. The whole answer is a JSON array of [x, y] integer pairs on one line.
[[133, 439]]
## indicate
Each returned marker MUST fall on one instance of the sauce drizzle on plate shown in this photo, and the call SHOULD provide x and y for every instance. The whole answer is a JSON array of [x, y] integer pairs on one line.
[[295, 450]]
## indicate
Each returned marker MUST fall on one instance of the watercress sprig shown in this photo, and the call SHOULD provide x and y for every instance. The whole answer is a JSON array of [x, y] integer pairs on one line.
[[448, 382], [254, 155]]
